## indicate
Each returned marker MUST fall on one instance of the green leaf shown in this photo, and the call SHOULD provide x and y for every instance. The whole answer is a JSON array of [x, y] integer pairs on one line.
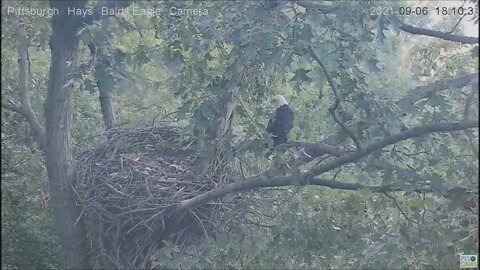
[[173, 60], [222, 240]]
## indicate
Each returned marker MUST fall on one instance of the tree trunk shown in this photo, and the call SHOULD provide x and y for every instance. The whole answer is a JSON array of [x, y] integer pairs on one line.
[[223, 127], [58, 156], [103, 79], [106, 103]]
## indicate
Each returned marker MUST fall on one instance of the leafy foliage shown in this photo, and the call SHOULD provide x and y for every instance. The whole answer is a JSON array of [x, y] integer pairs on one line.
[[179, 67]]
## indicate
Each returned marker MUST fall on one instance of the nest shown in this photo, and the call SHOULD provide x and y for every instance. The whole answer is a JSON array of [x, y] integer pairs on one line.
[[129, 187]]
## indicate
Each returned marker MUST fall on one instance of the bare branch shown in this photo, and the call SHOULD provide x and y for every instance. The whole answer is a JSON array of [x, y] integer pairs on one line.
[[316, 149], [438, 34], [318, 6], [336, 103], [25, 108], [458, 22], [400, 209], [308, 178], [254, 123]]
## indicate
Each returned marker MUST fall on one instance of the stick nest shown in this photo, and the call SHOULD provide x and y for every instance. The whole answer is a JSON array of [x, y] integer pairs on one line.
[[129, 186]]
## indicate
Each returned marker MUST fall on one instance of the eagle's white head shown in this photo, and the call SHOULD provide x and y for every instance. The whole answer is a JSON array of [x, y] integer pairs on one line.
[[280, 100]]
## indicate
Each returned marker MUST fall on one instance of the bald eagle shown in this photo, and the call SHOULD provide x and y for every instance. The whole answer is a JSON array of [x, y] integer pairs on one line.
[[282, 122]]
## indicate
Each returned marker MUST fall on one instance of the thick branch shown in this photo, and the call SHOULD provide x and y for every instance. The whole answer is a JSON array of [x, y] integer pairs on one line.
[[438, 34], [105, 90], [407, 134], [427, 90], [316, 149], [229, 103], [309, 177], [25, 108]]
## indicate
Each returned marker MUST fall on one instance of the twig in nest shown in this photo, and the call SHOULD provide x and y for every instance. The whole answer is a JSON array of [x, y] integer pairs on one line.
[[199, 221], [132, 192]]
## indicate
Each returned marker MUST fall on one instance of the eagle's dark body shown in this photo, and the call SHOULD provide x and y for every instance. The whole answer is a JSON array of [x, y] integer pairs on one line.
[[281, 124]]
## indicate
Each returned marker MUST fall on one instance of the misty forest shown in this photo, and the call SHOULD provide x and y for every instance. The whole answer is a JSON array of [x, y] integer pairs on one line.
[[134, 136]]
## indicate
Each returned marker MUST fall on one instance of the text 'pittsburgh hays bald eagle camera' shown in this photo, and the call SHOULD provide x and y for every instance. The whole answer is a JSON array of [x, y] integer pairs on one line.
[[282, 122]]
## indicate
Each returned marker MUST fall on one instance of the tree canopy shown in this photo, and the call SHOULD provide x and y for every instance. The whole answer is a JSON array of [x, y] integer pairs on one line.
[[379, 171]]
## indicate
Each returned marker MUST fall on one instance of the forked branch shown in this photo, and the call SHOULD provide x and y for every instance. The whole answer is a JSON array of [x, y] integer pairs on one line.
[[336, 103], [25, 107], [309, 178]]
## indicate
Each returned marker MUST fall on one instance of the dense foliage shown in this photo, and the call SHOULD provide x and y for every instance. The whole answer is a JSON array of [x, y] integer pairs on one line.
[[179, 68]]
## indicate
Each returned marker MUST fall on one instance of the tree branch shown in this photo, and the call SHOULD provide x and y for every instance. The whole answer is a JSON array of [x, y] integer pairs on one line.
[[438, 34], [400, 209], [336, 103], [230, 102], [392, 139], [308, 178], [316, 149], [403, 104], [458, 22], [425, 91], [25, 108], [318, 5], [417, 94]]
